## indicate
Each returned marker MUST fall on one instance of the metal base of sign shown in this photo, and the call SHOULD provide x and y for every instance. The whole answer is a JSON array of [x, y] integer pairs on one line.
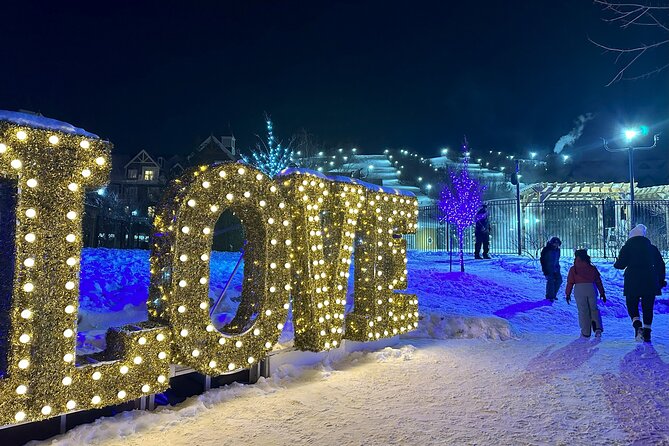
[[18, 434]]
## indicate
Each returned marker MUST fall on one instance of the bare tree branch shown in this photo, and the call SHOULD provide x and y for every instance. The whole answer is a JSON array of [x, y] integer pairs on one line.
[[636, 14]]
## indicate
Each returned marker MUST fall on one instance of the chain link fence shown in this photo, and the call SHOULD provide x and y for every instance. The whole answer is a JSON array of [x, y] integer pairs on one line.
[[601, 226]]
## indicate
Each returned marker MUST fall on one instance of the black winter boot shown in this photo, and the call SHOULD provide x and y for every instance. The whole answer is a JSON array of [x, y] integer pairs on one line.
[[646, 334], [638, 331]]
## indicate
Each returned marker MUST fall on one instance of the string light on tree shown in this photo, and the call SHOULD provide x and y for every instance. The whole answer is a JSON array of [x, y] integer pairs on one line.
[[460, 200], [269, 156]]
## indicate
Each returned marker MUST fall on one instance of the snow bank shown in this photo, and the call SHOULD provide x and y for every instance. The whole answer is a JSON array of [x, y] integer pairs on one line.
[[437, 326], [41, 122]]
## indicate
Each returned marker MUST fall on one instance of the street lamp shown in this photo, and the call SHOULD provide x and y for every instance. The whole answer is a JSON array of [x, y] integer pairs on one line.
[[630, 134]]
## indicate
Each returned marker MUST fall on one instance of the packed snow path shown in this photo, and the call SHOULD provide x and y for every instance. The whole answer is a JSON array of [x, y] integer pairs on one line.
[[545, 386]]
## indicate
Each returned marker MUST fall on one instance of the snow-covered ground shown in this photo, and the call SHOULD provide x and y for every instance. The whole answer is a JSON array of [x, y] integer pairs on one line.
[[491, 363]]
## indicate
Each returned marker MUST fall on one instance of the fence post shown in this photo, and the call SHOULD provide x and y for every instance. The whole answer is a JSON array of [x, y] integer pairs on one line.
[[450, 251], [520, 248], [604, 225]]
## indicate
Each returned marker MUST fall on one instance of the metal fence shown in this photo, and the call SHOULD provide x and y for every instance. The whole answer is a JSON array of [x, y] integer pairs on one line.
[[601, 226]]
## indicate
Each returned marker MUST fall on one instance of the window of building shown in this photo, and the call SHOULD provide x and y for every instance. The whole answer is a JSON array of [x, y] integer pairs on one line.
[[151, 211], [132, 174], [149, 174]]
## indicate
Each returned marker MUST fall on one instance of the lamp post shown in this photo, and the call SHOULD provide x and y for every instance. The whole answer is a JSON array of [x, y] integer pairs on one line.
[[630, 134], [515, 180]]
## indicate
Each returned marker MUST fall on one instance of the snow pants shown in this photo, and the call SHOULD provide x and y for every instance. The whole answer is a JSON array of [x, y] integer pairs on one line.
[[553, 283], [482, 240], [647, 304], [585, 296]]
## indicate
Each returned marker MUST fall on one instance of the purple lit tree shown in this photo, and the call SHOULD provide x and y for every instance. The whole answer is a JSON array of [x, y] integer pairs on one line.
[[460, 199]]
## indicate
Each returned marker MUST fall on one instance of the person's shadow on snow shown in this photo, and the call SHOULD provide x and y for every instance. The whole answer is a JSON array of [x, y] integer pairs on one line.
[[549, 364], [639, 396], [521, 307]]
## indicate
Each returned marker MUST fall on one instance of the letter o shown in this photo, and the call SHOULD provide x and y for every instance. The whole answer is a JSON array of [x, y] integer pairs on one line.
[[179, 290]]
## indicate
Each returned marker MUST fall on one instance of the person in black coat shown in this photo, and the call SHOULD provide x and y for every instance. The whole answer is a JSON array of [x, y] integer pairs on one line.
[[645, 276], [550, 266], [482, 233]]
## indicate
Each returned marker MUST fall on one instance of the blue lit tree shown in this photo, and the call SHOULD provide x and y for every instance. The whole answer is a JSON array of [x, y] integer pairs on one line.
[[460, 200], [270, 156]]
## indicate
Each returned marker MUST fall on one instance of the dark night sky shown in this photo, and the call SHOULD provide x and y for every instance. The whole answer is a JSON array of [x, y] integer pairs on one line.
[[162, 76]]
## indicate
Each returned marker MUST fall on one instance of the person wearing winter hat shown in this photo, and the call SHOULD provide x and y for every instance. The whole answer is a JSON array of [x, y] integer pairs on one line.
[[550, 265], [585, 280], [645, 276]]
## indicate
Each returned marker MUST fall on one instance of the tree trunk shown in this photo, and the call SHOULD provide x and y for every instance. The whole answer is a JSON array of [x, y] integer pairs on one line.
[[461, 234]]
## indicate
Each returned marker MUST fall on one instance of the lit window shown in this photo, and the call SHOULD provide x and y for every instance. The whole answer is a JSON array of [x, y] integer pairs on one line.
[[151, 211], [149, 174]]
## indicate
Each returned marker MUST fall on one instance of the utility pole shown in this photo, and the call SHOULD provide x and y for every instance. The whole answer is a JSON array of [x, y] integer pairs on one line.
[[629, 136]]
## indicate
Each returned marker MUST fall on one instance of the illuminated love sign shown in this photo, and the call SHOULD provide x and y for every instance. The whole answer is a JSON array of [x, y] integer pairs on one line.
[[302, 231]]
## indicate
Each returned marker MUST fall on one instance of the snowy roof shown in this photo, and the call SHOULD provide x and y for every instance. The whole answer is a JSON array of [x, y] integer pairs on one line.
[[142, 157], [575, 191], [216, 143], [653, 192], [349, 180], [41, 122]]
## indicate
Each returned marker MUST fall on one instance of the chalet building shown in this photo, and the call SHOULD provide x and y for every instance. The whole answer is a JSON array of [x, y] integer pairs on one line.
[[213, 150], [120, 215]]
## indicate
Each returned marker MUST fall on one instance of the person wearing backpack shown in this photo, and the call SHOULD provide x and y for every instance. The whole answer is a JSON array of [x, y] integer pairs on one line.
[[645, 276], [584, 279]]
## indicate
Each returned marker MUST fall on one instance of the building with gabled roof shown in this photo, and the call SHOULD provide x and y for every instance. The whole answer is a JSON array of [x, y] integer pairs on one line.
[[213, 150], [120, 215]]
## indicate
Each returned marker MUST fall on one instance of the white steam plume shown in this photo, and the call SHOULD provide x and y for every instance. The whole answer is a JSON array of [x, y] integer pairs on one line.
[[570, 138]]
